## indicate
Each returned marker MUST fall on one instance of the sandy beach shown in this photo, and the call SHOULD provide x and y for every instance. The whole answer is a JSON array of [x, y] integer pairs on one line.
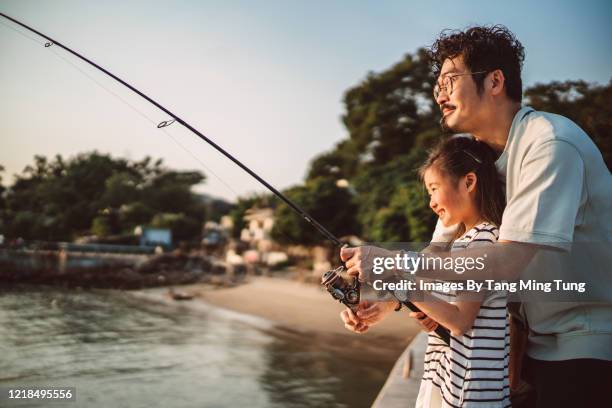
[[299, 306]]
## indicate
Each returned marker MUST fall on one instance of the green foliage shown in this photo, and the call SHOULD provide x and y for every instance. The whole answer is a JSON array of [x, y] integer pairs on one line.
[[392, 120], [2, 201], [586, 104], [406, 218], [386, 112], [135, 213], [330, 205], [94, 193], [244, 203], [182, 226], [101, 226], [216, 208], [120, 188], [337, 163]]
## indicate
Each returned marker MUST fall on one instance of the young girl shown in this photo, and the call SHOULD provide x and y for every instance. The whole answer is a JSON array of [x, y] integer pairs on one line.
[[462, 181]]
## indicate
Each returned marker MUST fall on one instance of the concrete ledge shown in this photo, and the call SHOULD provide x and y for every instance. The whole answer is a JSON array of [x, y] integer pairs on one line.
[[402, 386]]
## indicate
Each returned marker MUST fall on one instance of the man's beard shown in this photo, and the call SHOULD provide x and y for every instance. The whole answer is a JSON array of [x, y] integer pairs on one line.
[[445, 128], [443, 124]]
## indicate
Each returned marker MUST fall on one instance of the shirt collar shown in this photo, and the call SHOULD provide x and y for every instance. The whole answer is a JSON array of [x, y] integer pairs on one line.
[[502, 161]]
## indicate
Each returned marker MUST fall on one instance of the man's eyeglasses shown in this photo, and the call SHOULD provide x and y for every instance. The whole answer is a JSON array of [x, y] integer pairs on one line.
[[447, 83]]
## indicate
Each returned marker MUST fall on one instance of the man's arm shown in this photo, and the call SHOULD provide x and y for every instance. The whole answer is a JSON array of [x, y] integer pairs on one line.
[[503, 261]]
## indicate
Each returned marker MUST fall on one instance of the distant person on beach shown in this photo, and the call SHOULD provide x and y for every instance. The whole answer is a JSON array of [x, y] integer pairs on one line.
[[559, 195]]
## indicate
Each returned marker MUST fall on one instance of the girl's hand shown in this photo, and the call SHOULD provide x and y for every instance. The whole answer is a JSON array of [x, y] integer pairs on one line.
[[352, 322], [372, 313], [427, 323]]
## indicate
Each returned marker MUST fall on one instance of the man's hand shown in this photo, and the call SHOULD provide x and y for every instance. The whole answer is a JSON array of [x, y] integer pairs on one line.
[[358, 258], [427, 323]]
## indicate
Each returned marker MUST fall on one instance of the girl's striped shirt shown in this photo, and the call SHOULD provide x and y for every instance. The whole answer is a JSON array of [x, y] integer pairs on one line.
[[473, 370]]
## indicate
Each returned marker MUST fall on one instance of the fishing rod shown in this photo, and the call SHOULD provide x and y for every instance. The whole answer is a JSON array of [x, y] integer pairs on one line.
[[178, 119], [175, 118]]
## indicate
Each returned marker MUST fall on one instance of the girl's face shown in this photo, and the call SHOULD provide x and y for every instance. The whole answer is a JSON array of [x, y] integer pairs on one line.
[[452, 203]]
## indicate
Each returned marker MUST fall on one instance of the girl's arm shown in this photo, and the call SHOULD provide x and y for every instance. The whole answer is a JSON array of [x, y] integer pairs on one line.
[[457, 317]]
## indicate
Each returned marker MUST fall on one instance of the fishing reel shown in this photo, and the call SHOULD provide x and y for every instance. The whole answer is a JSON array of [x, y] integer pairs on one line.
[[341, 289], [349, 295]]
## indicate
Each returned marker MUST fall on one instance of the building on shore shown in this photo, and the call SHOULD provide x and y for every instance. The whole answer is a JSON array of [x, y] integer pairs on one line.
[[260, 222]]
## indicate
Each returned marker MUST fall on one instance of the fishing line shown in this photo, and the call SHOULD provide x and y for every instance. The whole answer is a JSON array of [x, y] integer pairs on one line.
[[160, 125], [22, 33], [305, 216], [175, 118]]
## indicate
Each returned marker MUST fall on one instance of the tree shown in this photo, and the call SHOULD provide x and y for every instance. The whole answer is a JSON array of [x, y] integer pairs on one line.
[[392, 121], [244, 203], [183, 227], [408, 213], [586, 104], [2, 201], [92, 192], [330, 205], [383, 190], [386, 112]]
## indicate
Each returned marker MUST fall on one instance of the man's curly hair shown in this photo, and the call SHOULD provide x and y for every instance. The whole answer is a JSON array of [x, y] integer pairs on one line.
[[483, 48]]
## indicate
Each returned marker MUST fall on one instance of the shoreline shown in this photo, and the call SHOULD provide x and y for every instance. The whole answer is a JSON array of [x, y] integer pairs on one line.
[[296, 306]]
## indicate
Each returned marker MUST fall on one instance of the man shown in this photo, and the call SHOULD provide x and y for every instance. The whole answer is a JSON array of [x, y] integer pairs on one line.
[[559, 195]]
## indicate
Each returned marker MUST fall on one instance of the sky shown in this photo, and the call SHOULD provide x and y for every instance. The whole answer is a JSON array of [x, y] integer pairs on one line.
[[264, 80]]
